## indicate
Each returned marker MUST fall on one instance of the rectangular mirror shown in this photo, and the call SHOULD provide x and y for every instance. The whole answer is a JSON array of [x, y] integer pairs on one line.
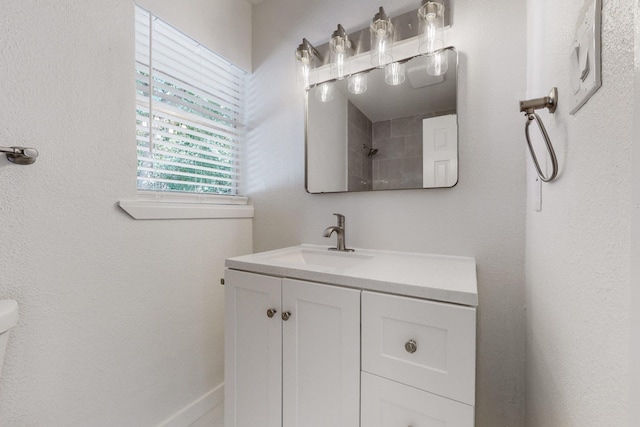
[[390, 136]]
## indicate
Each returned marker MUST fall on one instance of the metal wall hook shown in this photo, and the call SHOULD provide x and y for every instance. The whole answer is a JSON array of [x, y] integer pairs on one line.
[[20, 155], [549, 102]]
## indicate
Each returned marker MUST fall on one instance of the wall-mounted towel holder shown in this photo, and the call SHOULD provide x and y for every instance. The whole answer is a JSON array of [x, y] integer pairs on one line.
[[549, 102], [20, 155]]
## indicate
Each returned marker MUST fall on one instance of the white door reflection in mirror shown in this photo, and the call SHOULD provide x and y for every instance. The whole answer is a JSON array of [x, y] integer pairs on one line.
[[440, 151]]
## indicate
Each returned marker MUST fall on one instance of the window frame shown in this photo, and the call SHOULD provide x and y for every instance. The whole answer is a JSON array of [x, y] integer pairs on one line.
[[154, 204]]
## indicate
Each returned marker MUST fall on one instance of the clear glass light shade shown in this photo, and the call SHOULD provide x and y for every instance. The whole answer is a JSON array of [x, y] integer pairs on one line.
[[305, 62], [340, 52], [324, 93], [437, 63], [394, 74], [431, 17], [357, 84], [382, 33]]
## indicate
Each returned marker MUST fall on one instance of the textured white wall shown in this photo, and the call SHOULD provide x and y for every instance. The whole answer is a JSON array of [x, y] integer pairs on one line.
[[483, 216], [634, 359], [578, 247], [121, 321], [219, 24]]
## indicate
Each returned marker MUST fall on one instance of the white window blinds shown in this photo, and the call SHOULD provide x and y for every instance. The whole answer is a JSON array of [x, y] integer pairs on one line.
[[189, 105]]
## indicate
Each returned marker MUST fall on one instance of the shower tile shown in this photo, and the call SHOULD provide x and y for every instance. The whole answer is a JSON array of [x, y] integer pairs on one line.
[[359, 120], [357, 138], [411, 172], [390, 169], [406, 126], [389, 148], [355, 163], [382, 129], [354, 183], [413, 145], [367, 167], [384, 184], [357, 183]]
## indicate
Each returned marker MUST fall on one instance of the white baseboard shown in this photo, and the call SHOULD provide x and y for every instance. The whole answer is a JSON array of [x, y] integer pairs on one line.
[[190, 413]]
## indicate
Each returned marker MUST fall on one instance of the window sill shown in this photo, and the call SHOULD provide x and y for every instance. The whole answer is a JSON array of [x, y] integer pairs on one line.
[[164, 206]]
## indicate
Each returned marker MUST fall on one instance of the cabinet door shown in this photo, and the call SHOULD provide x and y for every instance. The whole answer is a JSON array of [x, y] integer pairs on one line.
[[387, 403], [253, 351], [321, 355]]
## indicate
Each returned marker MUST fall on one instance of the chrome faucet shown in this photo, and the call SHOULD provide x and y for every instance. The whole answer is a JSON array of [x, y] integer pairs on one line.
[[339, 229]]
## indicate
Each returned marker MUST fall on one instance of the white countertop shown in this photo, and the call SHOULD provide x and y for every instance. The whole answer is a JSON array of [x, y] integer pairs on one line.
[[436, 277]]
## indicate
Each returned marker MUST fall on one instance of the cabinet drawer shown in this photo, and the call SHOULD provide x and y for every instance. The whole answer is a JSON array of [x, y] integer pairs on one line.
[[387, 403], [425, 344]]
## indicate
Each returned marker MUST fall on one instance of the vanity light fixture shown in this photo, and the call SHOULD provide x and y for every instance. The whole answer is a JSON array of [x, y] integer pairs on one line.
[[306, 56], [340, 52], [431, 17], [381, 39], [344, 54], [324, 93], [394, 73], [357, 83]]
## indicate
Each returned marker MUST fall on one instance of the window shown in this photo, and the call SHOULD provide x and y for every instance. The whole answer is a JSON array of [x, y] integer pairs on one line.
[[189, 105]]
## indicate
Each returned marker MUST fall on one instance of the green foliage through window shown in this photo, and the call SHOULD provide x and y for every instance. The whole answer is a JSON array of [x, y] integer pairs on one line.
[[189, 121]]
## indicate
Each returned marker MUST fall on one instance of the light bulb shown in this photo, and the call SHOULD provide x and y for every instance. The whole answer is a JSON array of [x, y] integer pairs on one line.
[[394, 74], [324, 93], [306, 56], [431, 17], [303, 75], [438, 63], [381, 39], [358, 84], [340, 52]]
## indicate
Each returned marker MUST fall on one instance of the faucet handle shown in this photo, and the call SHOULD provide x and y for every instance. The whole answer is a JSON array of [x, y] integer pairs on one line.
[[340, 219]]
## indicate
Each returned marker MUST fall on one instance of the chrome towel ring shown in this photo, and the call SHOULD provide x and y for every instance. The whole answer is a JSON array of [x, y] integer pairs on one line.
[[528, 107]]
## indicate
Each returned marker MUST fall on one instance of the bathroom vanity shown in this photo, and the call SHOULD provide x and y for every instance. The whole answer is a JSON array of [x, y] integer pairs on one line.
[[368, 338]]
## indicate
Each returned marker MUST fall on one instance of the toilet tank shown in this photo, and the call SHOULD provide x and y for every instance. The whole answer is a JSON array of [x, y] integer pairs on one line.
[[8, 319]]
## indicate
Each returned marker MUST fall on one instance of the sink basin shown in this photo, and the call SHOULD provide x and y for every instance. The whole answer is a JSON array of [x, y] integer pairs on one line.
[[321, 258], [436, 277]]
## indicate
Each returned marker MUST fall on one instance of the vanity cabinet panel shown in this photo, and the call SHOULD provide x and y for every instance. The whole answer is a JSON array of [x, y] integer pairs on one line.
[[301, 366], [371, 339], [253, 347], [320, 355], [424, 344], [387, 403]]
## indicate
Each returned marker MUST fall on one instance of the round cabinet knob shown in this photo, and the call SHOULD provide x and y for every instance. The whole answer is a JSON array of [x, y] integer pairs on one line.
[[286, 315], [271, 312], [411, 346]]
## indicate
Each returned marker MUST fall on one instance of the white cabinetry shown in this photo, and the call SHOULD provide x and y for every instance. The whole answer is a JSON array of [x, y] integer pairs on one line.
[[380, 339], [253, 351], [302, 371], [320, 355], [388, 403], [418, 362]]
